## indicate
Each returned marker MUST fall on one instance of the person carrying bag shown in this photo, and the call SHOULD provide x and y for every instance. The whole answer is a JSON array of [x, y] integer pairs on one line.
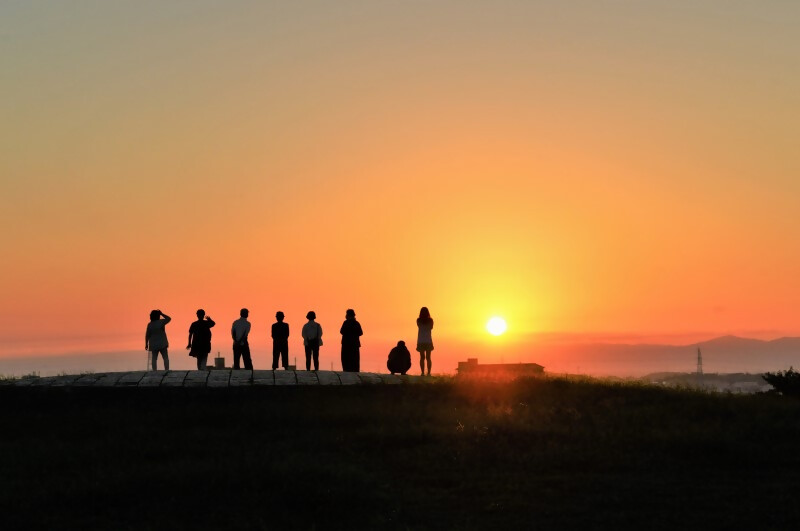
[[312, 340]]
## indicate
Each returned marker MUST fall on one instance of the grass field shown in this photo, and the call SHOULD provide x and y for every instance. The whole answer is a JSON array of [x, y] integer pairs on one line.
[[546, 453]]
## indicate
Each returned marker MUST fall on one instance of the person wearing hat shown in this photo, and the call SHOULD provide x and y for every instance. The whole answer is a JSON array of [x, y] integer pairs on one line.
[[399, 359], [280, 342], [312, 340], [200, 339], [351, 344]]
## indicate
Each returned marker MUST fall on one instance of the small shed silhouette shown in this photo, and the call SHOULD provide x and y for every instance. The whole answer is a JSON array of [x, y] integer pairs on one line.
[[473, 368]]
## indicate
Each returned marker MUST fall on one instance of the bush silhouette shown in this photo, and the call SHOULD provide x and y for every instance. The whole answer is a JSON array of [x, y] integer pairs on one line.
[[785, 382]]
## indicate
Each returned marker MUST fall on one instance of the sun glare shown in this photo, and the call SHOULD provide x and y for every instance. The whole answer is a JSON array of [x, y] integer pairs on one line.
[[496, 326]]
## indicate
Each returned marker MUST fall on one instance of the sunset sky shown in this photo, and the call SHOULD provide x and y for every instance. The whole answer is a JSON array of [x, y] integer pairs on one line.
[[589, 169]]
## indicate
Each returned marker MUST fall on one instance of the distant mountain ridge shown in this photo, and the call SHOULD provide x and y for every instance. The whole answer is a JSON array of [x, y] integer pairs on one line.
[[724, 354], [732, 341]]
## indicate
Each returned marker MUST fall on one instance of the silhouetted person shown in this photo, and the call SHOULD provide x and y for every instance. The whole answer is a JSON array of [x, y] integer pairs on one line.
[[351, 344], [280, 342], [399, 359], [312, 340], [155, 338], [424, 339], [200, 339], [241, 348]]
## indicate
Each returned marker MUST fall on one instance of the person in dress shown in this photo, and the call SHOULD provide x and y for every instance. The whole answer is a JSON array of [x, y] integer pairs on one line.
[[155, 338], [424, 339], [200, 339], [351, 342], [312, 340]]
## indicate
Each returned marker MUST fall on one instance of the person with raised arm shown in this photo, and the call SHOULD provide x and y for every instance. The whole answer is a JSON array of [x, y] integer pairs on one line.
[[241, 348], [199, 344], [155, 338]]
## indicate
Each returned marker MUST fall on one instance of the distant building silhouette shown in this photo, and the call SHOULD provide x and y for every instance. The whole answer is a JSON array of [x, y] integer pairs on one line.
[[471, 367]]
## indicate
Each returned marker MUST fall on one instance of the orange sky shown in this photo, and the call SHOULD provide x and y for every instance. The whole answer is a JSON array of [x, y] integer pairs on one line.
[[597, 168]]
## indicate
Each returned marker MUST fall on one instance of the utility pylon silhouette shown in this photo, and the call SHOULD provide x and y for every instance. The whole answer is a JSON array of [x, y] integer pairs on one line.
[[699, 367]]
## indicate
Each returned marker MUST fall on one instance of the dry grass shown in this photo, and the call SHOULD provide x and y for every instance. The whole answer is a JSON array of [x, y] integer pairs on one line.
[[549, 453]]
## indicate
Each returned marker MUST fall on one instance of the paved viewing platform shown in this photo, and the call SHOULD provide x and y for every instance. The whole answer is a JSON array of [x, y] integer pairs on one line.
[[213, 378]]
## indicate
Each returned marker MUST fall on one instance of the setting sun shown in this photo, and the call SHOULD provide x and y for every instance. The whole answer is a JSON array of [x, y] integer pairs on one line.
[[496, 326]]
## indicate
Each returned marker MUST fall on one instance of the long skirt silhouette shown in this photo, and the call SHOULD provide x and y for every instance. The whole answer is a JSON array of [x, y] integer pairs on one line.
[[351, 359], [351, 345]]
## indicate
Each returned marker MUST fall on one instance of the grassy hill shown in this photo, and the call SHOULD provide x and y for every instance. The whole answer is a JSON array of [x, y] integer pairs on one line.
[[539, 453]]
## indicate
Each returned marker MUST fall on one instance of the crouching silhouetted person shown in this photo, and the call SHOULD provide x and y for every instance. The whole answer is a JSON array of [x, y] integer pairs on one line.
[[155, 338], [399, 359], [241, 348], [351, 344], [200, 339]]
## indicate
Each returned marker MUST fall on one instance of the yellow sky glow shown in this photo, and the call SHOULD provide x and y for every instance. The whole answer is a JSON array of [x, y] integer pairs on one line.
[[623, 168]]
